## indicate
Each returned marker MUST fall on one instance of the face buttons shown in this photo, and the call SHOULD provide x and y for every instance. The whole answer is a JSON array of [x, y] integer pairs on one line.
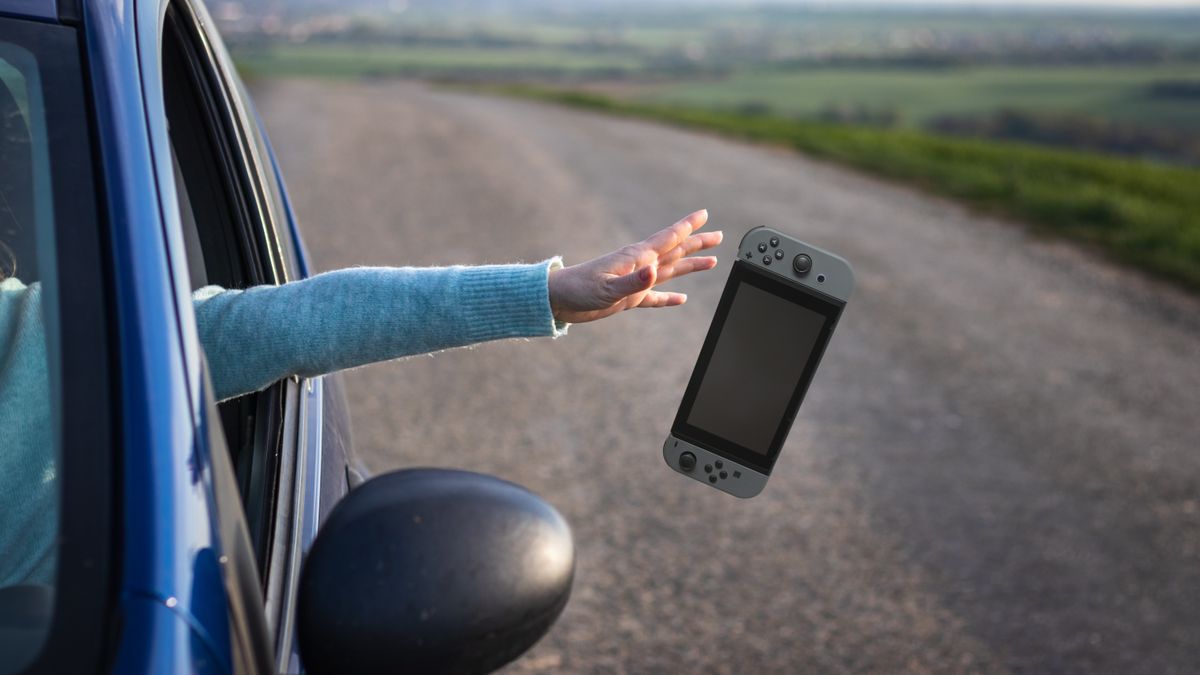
[[716, 471], [772, 254]]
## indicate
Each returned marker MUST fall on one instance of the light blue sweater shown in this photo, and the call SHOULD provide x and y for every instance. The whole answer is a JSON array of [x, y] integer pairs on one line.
[[252, 338]]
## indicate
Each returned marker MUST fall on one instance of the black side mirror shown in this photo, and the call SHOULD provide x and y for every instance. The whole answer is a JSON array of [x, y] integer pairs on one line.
[[432, 571]]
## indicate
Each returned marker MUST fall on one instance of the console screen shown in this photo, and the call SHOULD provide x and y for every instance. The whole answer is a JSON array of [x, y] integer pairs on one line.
[[759, 356]]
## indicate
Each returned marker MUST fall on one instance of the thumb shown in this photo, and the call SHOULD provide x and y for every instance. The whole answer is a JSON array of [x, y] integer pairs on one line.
[[634, 282]]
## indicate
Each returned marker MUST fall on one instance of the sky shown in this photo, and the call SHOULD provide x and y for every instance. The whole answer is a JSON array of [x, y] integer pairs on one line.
[[826, 4], [1129, 4], [1132, 4], [1053, 3]]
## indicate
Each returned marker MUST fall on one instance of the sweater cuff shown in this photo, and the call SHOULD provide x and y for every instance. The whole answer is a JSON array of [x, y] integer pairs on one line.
[[560, 327], [509, 301]]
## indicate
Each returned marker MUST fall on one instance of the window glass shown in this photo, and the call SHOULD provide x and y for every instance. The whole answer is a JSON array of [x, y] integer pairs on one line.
[[29, 402], [211, 213], [274, 195], [220, 217]]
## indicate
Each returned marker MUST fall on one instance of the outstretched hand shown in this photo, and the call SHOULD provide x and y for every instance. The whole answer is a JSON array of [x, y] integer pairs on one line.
[[624, 279]]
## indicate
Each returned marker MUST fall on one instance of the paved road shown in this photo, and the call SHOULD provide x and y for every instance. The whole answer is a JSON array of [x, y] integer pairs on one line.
[[997, 468]]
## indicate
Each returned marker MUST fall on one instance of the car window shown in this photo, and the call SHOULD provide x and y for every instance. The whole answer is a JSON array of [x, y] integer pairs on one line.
[[228, 244], [52, 336], [213, 206], [26, 233], [270, 180]]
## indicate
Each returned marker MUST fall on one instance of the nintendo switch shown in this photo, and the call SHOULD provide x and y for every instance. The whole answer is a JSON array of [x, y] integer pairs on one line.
[[780, 306]]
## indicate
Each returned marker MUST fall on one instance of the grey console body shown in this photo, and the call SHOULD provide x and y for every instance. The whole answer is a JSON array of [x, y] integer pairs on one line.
[[805, 272]]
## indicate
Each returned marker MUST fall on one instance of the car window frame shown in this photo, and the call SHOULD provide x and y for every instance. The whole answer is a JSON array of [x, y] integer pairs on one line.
[[255, 419], [296, 398], [87, 566], [193, 20], [284, 407]]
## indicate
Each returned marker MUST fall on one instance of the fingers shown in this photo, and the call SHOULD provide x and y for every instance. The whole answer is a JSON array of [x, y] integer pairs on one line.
[[706, 240], [685, 266], [665, 240], [694, 243], [661, 299], [634, 282]]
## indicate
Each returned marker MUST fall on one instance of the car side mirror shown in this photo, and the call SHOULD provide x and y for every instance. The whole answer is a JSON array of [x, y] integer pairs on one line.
[[432, 571]]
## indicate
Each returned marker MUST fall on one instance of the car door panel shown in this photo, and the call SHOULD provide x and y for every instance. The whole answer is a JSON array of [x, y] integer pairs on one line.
[[157, 424], [178, 647]]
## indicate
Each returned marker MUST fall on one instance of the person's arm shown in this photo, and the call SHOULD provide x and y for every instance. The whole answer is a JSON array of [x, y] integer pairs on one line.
[[353, 317]]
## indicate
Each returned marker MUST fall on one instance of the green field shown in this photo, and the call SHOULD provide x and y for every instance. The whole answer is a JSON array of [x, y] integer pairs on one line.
[[1118, 93], [828, 29], [350, 60], [1143, 214], [915, 95]]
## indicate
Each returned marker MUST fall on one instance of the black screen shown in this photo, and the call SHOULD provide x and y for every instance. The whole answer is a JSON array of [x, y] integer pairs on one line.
[[757, 361], [754, 368]]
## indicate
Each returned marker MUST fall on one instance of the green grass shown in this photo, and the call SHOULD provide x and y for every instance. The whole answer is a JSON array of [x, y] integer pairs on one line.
[[1118, 93], [1143, 214]]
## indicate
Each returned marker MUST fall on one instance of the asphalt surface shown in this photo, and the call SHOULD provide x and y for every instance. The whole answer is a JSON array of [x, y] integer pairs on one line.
[[997, 468]]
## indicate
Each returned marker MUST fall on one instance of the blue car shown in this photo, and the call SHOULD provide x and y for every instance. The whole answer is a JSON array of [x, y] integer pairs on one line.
[[192, 536]]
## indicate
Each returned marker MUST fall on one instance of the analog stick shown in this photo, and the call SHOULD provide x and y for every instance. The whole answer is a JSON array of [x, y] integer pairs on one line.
[[687, 461], [802, 264]]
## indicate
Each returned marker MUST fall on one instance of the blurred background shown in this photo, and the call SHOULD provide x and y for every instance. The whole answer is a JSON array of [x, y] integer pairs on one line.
[[998, 466]]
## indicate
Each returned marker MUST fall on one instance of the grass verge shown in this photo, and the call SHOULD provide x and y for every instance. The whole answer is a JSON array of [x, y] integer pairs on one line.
[[1143, 214]]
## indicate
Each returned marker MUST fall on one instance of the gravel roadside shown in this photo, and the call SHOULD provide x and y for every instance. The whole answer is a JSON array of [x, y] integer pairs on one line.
[[996, 469]]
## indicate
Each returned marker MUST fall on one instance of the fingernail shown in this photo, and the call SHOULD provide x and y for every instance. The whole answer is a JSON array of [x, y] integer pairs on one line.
[[644, 275]]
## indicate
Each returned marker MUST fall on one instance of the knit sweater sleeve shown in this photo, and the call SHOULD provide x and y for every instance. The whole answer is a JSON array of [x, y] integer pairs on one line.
[[357, 316]]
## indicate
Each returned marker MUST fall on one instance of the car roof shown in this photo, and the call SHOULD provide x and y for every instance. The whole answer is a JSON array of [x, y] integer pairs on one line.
[[66, 11]]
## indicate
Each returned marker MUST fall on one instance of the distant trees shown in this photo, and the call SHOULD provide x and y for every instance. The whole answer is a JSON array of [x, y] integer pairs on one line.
[[1189, 89], [1077, 131], [859, 114]]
